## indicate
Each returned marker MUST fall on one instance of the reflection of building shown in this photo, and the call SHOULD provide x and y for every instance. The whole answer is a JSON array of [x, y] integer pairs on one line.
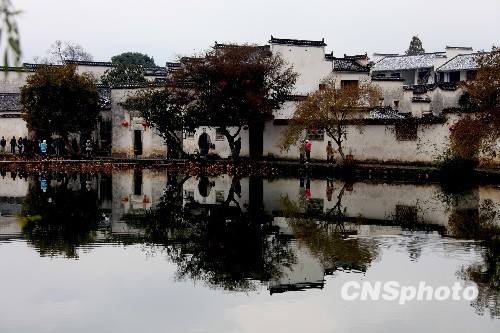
[[134, 191]]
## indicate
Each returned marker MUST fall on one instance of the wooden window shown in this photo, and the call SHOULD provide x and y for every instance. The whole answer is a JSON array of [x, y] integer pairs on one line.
[[406, 131], [219, 197], [315, 206], [349, 84], [454, 77], [189, 195], [406, 215], [471, 75], [316, 134], [218, 135], [189, 134]]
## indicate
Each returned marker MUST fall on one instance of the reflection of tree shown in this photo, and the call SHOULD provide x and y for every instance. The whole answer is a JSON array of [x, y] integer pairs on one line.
[[480, 224], [57, 220], [326, 236], [486, 275], [217, 244]]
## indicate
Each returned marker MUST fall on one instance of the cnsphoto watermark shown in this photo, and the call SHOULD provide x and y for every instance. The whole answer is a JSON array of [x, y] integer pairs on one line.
[[394, 291]]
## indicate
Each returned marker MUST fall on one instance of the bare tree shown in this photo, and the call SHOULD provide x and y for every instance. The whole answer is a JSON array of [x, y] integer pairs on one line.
[[62, 51]]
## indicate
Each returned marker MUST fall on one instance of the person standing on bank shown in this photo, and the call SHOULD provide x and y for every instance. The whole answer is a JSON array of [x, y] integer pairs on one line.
[[43, 148], [308, 148], [330, 153], [20, 145], [13, 144], [3, 143]]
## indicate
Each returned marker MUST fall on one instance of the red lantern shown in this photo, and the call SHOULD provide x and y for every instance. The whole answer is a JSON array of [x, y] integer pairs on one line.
[[145, 124], [125, 123]]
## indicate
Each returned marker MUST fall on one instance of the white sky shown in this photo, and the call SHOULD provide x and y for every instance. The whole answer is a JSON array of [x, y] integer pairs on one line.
[[166, 29]]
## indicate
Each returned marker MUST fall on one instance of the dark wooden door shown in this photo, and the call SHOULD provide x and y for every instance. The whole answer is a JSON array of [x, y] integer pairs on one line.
[[256, 140], [137, 142]]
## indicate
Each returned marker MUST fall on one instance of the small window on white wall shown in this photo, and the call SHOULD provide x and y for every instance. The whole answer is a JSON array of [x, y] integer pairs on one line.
[[317, 134], [219, 136], [189, 134]]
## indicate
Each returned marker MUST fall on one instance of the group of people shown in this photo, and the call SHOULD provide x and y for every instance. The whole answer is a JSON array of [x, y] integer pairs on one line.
[[17, 146], [27, 147], [305, 155]]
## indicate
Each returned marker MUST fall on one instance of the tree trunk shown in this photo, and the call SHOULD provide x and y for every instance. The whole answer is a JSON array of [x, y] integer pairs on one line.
[[234, 144]]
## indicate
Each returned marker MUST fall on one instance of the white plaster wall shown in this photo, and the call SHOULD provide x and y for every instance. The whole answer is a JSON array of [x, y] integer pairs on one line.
[[13, 188], [371, 142], [96, 71], [124, 201], [220, 184], [373, 201], [309, 62], [190, 144], [122, 137], [11, 81], [391, 91], [339, 76], [12, 127]]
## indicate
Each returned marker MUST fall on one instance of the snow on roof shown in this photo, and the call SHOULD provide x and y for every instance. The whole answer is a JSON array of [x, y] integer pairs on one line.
[[395, 63], [348, 65], [460, 62]]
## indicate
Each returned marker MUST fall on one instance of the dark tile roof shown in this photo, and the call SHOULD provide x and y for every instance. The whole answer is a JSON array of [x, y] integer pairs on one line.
[[224, 46], [90, 63], [356, 56], [299, 42], [386, 78], [10, 102], [155, 71], [346, 64]]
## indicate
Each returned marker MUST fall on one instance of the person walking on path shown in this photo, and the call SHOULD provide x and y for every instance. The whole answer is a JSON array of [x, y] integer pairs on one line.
[[3, 143], [20, 145], [308, 148], [43, 148], [330, 159], [13, 144]]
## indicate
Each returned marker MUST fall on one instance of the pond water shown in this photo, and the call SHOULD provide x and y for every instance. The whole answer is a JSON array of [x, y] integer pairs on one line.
[[153, 251]]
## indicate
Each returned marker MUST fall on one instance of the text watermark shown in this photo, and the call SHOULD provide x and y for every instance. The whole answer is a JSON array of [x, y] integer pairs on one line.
[[394, 291]]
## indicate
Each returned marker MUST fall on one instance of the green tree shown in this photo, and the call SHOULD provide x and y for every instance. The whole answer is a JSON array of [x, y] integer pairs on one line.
[[133, 58], [233, 86], [123, 75], [56, 99], [166, 110], [415, 47], [57, 220]]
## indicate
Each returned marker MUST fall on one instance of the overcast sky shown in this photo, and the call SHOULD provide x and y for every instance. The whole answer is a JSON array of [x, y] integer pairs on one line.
[[166, 29]]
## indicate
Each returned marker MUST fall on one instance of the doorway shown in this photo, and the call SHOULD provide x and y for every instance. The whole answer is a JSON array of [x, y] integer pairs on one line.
[[204, 143], [137, 142], [256, 140]]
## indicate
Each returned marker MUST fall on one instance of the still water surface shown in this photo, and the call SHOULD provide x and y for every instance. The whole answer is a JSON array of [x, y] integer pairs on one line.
[[142, 250]]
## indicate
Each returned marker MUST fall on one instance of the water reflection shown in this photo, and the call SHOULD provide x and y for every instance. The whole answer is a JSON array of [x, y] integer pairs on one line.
[[240, 234]]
